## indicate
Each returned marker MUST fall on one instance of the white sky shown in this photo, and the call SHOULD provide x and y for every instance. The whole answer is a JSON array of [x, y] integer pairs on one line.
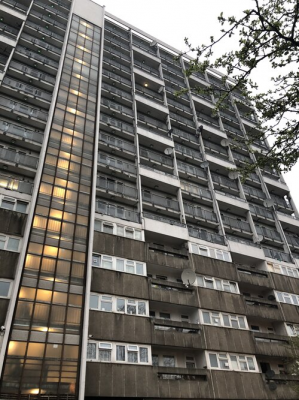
[[173, 20]]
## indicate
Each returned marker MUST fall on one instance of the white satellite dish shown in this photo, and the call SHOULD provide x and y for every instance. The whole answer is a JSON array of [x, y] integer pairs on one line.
[[188, 277], [258, 239], [161, 89], [233, 175], [268, 203], [204, 164], [153, 43], [168, 151], [224, 142]]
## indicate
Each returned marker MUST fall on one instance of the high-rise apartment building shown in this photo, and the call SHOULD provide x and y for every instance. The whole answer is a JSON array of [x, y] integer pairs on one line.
[[134, 263]]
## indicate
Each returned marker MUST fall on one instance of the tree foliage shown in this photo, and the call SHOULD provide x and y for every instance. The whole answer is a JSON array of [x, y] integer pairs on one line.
[[268, 34]]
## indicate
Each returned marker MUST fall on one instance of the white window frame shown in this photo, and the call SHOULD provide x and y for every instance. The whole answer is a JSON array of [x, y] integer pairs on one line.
[[212, 314], [111, 346], [285, 270], [196, 247], [116, 227], [226, 358], [114, 304], [113, 259], [292, 329], [216, 283], [9, 290], [14, 201], [283, 297], [6, 242]]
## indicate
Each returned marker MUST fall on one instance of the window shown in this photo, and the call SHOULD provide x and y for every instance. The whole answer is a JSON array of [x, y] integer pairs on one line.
[[117, 229], [118, 305], [119, 264], [234, 362], [164, 315], [292, 329], [284, 270], [217, 284], [155, 360], [118, 353], [211, 252], [9, 243], [9, 203], [190, 362], [5, 288], [168, 361], [223, 319], [288, 298]]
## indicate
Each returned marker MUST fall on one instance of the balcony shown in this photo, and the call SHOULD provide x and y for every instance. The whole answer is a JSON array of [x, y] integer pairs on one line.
[[117, 211], [150, 94], [48, 19], [122, 82], [206, 216], [13, 157], [224, 182], [118, 54], [293, 241], [240, 240], [196, 191], [116, 164], [230, 119], [252, 277], [208, 120], [31, 91], [110, 40], [233, 131], [155, 158], [182, 120], [185, 136], [44, 31], [40, 43], [115, 123], [180, 83], [146, 68], [269, 235], [145, 46], [119, 93], [215, 150], [191, 170], [172, 292], [45, 78], [253, 193], [36, 57], [15, 5], [115, 143], [236, 225], [120, 68], [151, 123], [267, 309], [124, 111], [115, 30], [160, 201], [176, 71], [23, 109], [282, 204], [261, 212], [277, 255], [173, 92], [52, 10], [205, 235], [165, 220], [269, 344], [117, 187], [179, 106], [11, 183], [8, 128], [241, 159], [188, 152]]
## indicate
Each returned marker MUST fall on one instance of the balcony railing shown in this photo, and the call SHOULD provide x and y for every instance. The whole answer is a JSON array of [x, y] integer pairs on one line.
[[174, 91], [144, 46], [121, 109], [164, 219], [35, 56], [113, 90], [158, 171], [117, 211], [176, 71], [193, 189], [146, 68], [199, 75], [11, 183], [222, 180], [234, 223], [117, 65], [160, 201], [254, 177], [268, 233], [153, 156], [124, 34], [18, 158], [251, 191], [119, 143], [115, 52], [242, 241], [241, 97], [112, 41], [229, 117], [116, 77], [23, 109], [185, 135], [22, 132], [247, 116], [179, 105], [15, 4], [201, 95], [154, 96], [188, 151], [215, 148], [50, 19], [31, 90], [280, 201], [116, 187], [40, 43], [180, 83], [151, 121], [44, 30], [205, 235], [232, 130], [8, 31], [181, 119], [116, 163], [33, 72], [51, 10], [190, 169], [292, 240], [116, 123], [242, 158], [207, 119], [277, 255], [261, 212], [199, 212]]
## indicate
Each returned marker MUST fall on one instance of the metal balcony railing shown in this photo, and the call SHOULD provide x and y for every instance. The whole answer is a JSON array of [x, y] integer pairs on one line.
[[176, 71], [40, 43], [177, 82], [116, 163], [118, 107], [213, 147], [280, 201], [116, 211], [241, 240], [15, 4], [151, 121], [174, 91], [181, 119], [47, 18], [18, 158], [216, 82], [3, 61], [194, 189], [277, 255], [254, 177], [144, 67], [116, 187], [36, 56], [234, 223], [199, 75], [118, 124], [153, 156], [51, 10], [222, 180], [166, 220], [23, 109], [205, 235], [230, 195], [154, 96], [8, 31], [248, 116], [185, 135], [292, 240], [22, 132], [199, 212], [268, 233], [242, 158], [190, 169], [33, 72], [11, 183], [144, 46], [241, 97], [158, 171], [116, 77], [44, 31], [251, 191], [207, 119], [179, 105], [229, 117], [113, 41], [118, 92], [232, 130], [117, 65], [23, 87], [188, 151], [201, 95], [169, 57], [261, 212], [124, 34], [162, 201], [121, 55], [119, 143]]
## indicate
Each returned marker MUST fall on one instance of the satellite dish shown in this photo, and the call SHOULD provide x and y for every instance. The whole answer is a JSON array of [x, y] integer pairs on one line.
[[153, 43], [224, 142], [258, 239], [161, 89], [204, 164], [233, 175], [268, 203], [188, 277], [272, 386], [168, 151], [271, 298], [270, 374]]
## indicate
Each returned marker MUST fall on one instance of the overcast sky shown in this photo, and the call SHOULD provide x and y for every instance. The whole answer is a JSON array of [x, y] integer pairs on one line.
[[173, 20]]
